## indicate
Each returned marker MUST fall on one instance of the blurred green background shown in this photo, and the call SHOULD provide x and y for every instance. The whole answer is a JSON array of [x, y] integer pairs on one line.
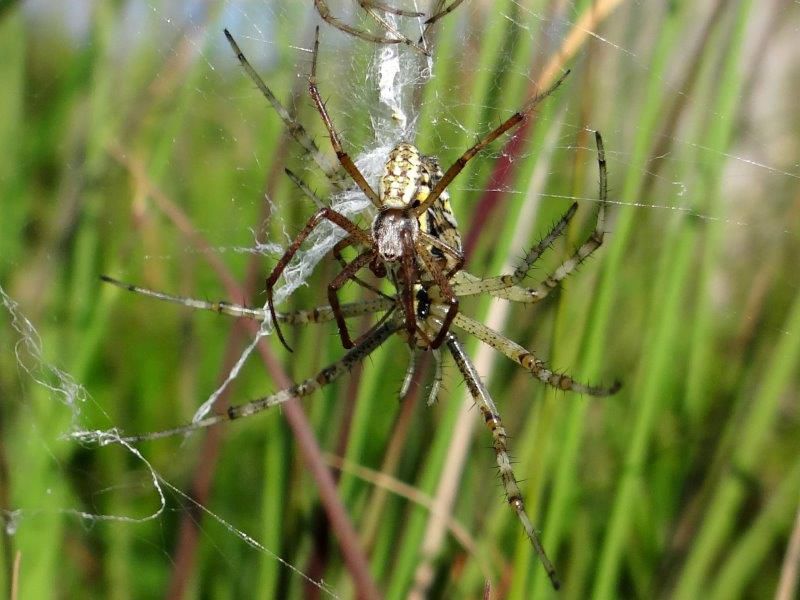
[[120, 118]]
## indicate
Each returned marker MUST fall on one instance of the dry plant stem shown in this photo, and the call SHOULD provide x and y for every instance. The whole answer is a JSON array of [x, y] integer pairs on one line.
[[666, 137], [697, 496], [790, 571], [185, 553], [576, 38], [7, 545], [186, 550], [381, 479], [14, 593], [391, 459], [137, 169], [340, 522]]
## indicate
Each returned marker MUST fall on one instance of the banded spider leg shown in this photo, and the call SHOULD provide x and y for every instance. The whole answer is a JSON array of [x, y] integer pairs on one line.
[[491, 417], [507, 286], [371, 7]]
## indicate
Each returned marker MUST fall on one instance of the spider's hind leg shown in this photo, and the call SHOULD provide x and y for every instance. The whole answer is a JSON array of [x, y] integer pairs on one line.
[[592, 243], [528, 360], [492, 419]]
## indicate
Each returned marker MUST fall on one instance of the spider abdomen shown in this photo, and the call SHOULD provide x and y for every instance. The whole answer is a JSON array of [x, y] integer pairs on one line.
[[404, 177]]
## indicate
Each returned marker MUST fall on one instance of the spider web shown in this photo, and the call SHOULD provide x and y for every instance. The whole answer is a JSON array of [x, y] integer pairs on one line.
[[374, 101]]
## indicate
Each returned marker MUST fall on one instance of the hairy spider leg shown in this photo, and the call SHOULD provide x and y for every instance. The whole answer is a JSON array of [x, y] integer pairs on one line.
[[344, 158], [493, 285], [447, 295], [320, 314], [334, 286], [487, 139], [331, 170], [528, 360], [491, 417], [369, 7], [443, 12], [305, 388]]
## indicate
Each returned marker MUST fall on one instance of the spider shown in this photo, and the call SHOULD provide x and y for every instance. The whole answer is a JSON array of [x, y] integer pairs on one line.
[[394, 36], [402, 243], [431, 317], [415, 242]]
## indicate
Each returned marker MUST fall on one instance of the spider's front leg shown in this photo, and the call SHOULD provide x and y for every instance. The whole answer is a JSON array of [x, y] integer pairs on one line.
[[453, 258], [408, 271], [446, 291], [461, 162], [321, 215], [344, 158], [343, 277]]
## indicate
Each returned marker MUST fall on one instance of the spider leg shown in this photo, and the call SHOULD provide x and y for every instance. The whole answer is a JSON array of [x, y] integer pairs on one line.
[[467, 284], [446, 291], [317, 218], [391, 29], [324, 377], [487, 139], [411, 370], [438, 377], [409, 277], [493, 285], [456, 261], [324, 314], [344, 159], [389, 9], [295, 129], [592, 243], [326, 15], [342, 244], [595, 239], [443, 12], [334, 286], [501, 282], [499, 442], [307, 191], [320, 314], [337, 254], [528, 360]]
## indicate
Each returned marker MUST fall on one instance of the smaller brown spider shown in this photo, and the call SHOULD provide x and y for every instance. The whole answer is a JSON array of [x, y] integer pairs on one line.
[[394, 36]]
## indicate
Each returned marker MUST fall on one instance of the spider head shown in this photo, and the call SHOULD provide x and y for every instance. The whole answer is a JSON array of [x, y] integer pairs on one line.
[[395, 230]]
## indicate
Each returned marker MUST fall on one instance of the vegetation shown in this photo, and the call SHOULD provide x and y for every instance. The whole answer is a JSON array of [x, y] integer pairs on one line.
[[136, 147]]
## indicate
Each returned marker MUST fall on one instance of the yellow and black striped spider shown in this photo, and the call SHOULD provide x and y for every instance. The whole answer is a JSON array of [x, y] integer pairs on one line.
[[402, 242], [424, 262]]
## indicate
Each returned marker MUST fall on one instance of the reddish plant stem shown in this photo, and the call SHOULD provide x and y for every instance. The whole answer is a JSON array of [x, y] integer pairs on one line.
[[186, 549]]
